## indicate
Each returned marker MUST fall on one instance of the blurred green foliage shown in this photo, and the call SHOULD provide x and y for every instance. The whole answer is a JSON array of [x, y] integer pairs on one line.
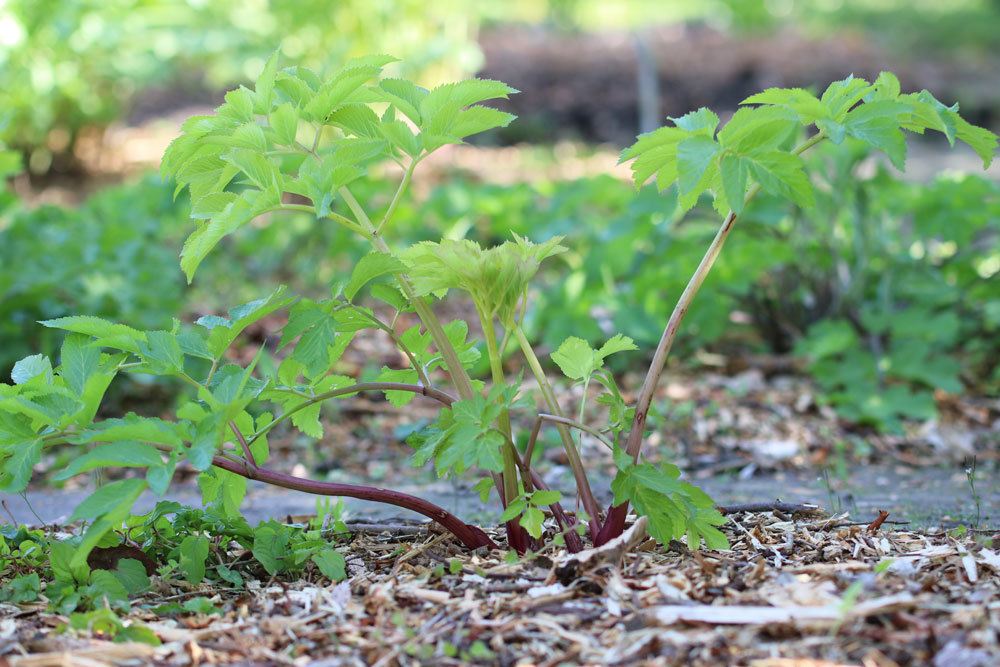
[[115, 255], [903, 25], [66, 64]]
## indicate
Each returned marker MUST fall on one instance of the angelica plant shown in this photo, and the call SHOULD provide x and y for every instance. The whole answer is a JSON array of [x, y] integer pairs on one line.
[[299, 143]]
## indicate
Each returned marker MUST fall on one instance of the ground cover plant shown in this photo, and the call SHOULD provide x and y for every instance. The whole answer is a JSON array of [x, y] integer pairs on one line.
[[298, 143]]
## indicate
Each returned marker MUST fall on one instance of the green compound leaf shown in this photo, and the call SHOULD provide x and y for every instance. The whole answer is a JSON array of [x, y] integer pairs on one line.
[[675, 509], [578, 361]]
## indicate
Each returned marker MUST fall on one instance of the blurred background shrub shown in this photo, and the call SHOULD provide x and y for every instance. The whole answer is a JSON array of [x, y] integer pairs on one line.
[[885, 294]]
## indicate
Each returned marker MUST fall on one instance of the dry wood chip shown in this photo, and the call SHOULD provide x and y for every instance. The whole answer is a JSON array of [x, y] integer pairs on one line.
[[756, 615]]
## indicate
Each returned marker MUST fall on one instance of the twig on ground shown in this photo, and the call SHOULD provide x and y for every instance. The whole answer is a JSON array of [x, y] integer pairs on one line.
[[776, 506]]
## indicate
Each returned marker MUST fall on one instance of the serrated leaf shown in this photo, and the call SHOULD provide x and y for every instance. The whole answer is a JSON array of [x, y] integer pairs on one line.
[[193, 552], [513, 510], [21, 459], [615, 344], [696, 166], [575, 358], [133, 428], [161, 353], [547, 497], [840, 96], [578, 361], [478, 119], [107, 498], [118, 454], [131, 574], [301, 317], [239, 104], [356, 119], [257, 168], [249, 136], [223, 490], [655, 153], [886, 87], [224, 330], [701, 122], [100, 329], [206, 441], [982, 141], [833, 130], [798, 100], [531, 521], [674, 508], [331, 564], [239, 212], [210, 205], [370, 267], [313, 349], [877, 124], [405, 96], [758, 128], [270, 547], [29, 368], [734, 171], [391, 296], [782, 174], [444, 118], [264, 87], [338, 91], [284, 120], [399, 135]]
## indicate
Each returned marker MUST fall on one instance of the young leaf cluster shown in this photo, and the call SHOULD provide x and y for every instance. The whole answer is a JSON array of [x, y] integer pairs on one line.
[[299, 135]]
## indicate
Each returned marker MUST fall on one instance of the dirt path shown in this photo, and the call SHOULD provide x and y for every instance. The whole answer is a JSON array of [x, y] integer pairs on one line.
[[928, 497]]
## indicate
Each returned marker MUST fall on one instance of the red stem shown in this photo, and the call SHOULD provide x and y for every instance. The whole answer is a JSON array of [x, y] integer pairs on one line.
[[471, 536]]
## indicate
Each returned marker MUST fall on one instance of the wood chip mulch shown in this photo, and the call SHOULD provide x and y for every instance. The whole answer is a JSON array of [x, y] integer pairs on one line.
[[792, 591]]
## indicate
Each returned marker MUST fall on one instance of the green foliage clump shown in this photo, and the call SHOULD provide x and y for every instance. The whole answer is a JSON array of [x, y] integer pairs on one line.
[[110, 257], [171, 541]]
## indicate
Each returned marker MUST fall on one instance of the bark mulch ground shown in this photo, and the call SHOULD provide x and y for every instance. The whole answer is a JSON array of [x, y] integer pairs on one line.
[[804, 589]]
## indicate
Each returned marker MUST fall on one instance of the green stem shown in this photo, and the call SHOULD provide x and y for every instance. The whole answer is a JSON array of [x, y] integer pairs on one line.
[[430, 392], [302, 208], [461, 379], [397, 341], [549, 396], [510, 487], [683, 304], [404, 183]]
